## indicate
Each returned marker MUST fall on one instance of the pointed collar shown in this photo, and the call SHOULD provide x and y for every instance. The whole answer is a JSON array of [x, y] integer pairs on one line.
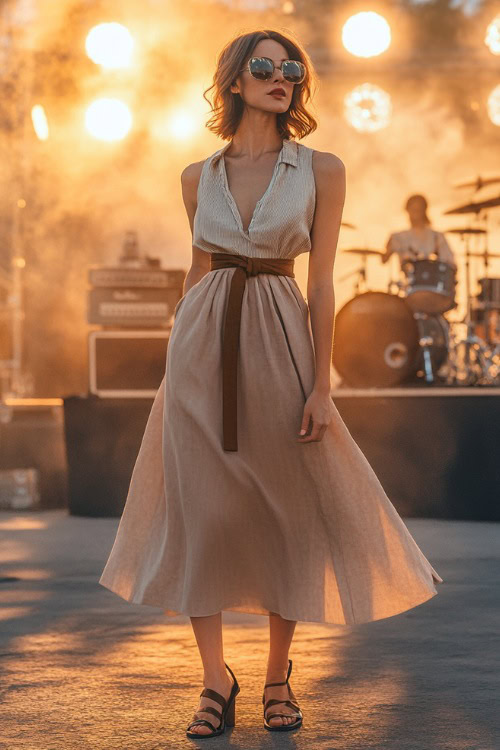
[[288, 152]]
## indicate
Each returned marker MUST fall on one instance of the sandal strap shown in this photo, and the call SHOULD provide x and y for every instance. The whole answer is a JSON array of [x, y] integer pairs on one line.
[[296, 715], [202, 721], [215, 696], [272, 684], [275, 702], [210, 710]]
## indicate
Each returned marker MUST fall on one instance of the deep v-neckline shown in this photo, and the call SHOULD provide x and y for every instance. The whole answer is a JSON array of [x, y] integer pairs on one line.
[[235, 209]]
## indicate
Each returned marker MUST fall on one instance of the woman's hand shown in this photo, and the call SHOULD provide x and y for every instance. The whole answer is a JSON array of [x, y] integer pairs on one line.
[[317, 408]]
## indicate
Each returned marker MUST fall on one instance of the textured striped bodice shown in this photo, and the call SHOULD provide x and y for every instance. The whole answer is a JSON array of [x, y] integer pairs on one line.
[[281, 223]]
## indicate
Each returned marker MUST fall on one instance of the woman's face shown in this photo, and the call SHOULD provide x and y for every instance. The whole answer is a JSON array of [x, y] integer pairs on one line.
[[255, 93]]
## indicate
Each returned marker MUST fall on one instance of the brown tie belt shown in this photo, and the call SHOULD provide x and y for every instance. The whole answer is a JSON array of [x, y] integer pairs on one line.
[[245, 266]]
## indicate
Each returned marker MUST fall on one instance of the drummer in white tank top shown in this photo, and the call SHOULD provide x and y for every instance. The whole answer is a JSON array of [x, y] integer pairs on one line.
[[420, 240]]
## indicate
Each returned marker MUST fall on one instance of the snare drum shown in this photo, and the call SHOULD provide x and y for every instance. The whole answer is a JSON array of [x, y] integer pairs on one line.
[[430, 286]]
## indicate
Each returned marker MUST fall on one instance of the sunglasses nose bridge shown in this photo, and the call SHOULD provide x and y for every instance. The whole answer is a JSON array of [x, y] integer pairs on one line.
[[278, 74]]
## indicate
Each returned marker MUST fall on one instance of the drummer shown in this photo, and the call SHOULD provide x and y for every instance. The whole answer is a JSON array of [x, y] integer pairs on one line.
[[420, 241]]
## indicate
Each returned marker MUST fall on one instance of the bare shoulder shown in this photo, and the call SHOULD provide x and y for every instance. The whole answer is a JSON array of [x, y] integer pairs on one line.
[[190, 178], [190, 175], [327, 167]]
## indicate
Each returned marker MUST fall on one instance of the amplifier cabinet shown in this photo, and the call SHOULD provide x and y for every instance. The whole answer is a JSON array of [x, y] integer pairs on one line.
[[132, 307], [127, 364], [135, 276]]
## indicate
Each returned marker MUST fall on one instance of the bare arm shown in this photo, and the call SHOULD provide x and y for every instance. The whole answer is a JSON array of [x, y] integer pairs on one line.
[[329, 173], [445, 252], [200, 263], [389, 249]]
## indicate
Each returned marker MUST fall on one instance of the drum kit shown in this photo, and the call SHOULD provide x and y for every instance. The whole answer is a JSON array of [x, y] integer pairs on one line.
[[385, 339]]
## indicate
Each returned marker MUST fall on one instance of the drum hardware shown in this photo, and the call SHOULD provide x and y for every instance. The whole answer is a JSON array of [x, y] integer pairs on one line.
[[360, 285], [466, 230], [485, 322], [426, 342], [363, 251], [478, 183], [475, 359], [474, 208], [484, 254]]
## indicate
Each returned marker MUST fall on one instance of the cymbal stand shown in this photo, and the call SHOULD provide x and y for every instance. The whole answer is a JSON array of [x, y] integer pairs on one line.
[[361, 278], [425, 342], [468, 355]]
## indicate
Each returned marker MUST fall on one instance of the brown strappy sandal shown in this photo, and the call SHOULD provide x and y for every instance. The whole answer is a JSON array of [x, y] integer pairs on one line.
[[227, 716], [273, 701]]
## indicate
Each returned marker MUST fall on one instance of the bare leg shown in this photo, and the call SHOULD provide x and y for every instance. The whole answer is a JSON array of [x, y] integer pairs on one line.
[[208, 634], [280, 637]]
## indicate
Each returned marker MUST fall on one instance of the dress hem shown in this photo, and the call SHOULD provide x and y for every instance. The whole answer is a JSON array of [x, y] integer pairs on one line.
[[244, 609]]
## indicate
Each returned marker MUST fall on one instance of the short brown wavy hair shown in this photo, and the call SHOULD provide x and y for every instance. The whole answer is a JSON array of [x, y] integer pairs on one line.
[[227, 107]]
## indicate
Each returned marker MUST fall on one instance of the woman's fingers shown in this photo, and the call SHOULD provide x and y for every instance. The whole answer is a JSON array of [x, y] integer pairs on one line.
[[317, 432]]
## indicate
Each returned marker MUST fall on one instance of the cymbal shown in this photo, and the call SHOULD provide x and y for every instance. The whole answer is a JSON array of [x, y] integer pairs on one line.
[[478, 183], [473, 208], [363, 251], [466, 230]]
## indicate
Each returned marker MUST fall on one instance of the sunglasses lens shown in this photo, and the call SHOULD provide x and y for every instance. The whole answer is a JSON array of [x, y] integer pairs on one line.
[[293, 71], [261, 68]]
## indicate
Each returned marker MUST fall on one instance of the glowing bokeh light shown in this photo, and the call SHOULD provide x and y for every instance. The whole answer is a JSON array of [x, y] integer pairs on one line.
[[108, 119], [110, 45], [366, 34], [492, 38], [181, 124], [40, 124], [494, 105], [368, 108]]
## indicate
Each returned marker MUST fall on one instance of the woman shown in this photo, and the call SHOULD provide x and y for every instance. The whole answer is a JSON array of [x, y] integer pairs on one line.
[[261, 501], [420, 241]]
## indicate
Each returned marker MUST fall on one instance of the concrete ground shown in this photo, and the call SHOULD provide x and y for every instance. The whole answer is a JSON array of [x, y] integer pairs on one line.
[[83, 669]]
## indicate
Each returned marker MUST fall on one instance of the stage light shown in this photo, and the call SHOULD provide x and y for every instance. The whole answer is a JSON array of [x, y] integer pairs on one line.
[[181, 124], [108, 119], [40, 124], [110, 45], [366, 34], [492, 38], [368, 108], [494, 106]]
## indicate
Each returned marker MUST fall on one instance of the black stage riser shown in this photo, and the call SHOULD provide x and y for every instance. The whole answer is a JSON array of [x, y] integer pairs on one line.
[[436, 452], [436, 456]]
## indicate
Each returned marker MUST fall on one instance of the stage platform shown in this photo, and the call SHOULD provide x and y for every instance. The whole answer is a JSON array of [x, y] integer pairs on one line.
[[436, 450]]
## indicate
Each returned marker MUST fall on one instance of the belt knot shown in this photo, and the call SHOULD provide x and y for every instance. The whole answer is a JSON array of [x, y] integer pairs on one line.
[[253, 266]]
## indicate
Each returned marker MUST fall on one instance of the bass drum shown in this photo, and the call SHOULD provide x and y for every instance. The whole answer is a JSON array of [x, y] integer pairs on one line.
[[376, 341]]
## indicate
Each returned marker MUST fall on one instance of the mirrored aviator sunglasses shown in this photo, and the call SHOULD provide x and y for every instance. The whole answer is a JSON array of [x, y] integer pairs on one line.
[[262, 68]]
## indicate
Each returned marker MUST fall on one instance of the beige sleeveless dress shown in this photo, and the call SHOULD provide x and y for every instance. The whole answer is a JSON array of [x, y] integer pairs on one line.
[[303, 530]]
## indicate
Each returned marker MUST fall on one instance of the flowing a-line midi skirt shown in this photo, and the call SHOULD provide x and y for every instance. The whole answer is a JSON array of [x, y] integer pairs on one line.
[[302, 530]]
